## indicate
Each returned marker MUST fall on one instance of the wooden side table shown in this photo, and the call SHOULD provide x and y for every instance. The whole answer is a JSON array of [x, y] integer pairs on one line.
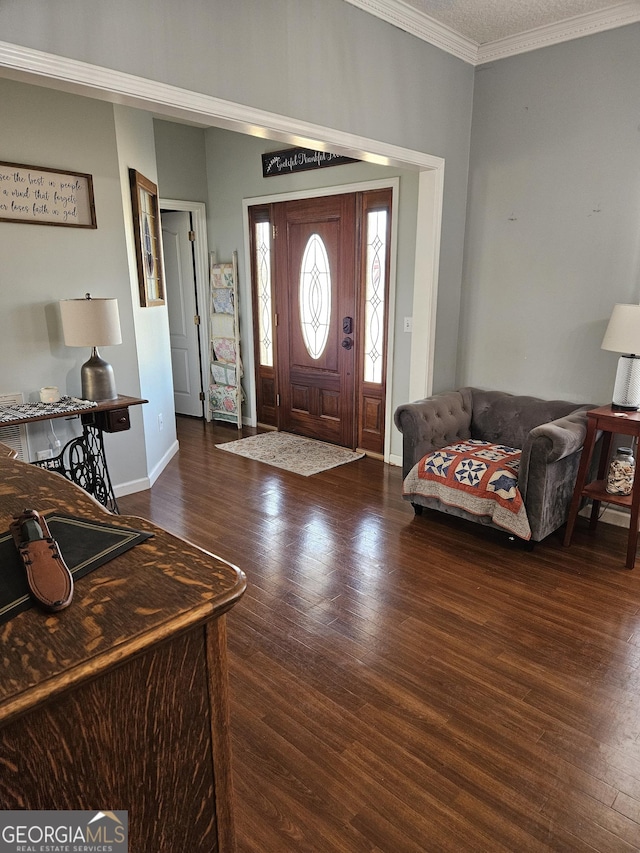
[[611, 422]]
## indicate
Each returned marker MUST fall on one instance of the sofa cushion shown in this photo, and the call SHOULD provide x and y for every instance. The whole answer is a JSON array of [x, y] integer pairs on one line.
[[476, 476]]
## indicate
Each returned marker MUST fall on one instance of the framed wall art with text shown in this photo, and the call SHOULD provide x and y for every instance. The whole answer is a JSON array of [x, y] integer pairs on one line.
[[38, 195]]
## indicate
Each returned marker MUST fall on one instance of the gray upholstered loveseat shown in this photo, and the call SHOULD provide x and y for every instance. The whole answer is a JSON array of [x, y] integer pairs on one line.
[[550, 434]]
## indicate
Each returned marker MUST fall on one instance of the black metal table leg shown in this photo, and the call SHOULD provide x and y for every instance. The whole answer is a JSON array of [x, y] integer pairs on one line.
[[83, 461]]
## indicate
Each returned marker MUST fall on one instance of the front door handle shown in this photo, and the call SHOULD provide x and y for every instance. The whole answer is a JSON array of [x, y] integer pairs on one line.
[[347, 343]]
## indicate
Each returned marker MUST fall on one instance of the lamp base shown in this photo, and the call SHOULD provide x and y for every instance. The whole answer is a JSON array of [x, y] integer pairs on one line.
[[616, 408], [98, 381], [626, 392]]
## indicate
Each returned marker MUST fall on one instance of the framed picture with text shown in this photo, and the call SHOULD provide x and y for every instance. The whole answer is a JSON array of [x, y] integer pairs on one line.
[[146, 226], [38, 195]]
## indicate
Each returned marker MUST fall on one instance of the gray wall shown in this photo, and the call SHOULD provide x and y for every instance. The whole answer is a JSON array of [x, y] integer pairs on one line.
[[136, 150], [181, 160], [43, 264], [322, 61], [553, 225]]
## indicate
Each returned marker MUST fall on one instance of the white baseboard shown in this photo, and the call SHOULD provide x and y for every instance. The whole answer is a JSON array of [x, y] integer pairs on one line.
[[162, 464], [145, 483], [131, 486], [394, 459]]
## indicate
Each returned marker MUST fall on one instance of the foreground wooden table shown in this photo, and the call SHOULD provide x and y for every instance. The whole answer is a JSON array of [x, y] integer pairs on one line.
[[120, 701]]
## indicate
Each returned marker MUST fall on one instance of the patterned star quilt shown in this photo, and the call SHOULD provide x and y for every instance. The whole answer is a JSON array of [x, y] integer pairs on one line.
[[476, 476]]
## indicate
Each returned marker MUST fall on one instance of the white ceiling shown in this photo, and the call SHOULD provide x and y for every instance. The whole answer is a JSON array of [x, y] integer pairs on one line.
[[481, 30]]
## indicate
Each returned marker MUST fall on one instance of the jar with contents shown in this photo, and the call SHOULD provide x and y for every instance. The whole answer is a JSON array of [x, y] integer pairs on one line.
[[621, 472]]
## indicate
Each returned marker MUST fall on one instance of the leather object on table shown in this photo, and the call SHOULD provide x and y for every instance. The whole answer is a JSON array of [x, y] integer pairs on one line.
[[49, 579]]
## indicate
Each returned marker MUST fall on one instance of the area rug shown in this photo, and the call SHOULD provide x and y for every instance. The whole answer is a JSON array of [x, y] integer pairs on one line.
[[304, 456]]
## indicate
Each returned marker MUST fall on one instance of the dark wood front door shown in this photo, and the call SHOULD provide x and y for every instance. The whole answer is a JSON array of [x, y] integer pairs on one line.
[[315, 291]]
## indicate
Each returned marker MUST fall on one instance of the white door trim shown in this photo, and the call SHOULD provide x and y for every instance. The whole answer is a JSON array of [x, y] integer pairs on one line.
[[425, 287], [383, 183], [71, 75], [198, 211]]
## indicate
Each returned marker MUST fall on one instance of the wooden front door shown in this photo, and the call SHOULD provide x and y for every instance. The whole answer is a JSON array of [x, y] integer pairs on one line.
[[320, 271], [315, 289]]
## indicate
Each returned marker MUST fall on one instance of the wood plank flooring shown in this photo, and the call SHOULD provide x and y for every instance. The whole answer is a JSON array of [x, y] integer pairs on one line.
[[405, 684]]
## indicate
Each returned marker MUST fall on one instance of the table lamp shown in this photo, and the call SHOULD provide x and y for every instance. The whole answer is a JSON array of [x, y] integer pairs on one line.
[[623, 335], [92, 323]]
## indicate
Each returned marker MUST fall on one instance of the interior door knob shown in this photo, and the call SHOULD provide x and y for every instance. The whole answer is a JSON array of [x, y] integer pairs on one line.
[[347, 343]]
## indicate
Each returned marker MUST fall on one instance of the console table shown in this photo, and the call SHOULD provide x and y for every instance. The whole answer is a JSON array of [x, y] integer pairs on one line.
[[610, 422], [121, 700], [82, 460]]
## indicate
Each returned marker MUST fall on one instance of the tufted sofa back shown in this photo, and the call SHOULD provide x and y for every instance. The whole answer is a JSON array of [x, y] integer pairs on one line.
[[449, 417], [446, 418], [494, 416], [508, 419]]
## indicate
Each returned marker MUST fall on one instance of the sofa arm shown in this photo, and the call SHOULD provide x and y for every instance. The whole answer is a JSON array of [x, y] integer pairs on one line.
[[432, 423], [561, 437], [548, 469]]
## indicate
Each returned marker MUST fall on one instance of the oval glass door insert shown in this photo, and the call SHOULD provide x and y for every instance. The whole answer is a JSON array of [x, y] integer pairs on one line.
[[315, 296]]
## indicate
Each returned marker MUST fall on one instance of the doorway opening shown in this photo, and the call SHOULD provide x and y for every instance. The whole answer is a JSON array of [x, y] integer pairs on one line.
[[163, 99], [320, 281], [185, 253]]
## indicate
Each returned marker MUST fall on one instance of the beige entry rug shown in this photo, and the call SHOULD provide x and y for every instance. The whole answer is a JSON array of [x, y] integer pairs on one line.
[[304, 456]]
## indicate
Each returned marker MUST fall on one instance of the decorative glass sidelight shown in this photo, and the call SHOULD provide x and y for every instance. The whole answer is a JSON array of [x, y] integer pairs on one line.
[[315, 296], [374, 309], [263, 268]]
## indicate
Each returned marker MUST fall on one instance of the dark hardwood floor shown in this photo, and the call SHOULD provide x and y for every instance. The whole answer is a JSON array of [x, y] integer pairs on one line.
[[412, 684]]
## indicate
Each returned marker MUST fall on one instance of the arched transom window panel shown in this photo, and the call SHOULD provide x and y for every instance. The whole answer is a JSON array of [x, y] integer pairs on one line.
[[315, 296]]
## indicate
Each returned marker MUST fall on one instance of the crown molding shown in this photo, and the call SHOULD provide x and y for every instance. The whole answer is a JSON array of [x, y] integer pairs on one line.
[[424, 27], [572, 28]]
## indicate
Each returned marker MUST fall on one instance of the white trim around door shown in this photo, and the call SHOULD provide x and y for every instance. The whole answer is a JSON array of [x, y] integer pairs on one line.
[[363, 186]]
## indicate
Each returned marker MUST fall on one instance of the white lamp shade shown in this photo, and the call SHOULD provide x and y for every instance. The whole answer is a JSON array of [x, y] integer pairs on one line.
[[623, 331], [90, 322]]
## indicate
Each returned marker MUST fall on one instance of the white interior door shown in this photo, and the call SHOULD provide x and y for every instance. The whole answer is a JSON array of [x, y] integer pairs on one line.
[[182, 310]]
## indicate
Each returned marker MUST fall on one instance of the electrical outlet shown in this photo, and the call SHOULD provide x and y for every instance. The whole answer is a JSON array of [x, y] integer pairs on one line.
[[44, 454], [408, 324], [160, 422]]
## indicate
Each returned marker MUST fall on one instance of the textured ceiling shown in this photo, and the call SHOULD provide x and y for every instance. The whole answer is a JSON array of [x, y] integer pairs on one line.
[[485, 21]]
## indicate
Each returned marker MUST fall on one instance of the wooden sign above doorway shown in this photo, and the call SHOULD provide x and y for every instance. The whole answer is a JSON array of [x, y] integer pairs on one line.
[[299, 160]]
